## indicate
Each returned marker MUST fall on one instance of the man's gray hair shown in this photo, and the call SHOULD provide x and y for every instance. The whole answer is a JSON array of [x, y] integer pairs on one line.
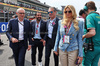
[[19, 9], [53, 8]]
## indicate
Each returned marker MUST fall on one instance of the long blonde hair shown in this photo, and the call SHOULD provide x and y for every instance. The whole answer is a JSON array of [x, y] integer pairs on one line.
[[74, 15]]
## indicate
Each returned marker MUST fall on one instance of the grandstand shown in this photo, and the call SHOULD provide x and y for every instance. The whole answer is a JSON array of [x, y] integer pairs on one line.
[[8, 8]]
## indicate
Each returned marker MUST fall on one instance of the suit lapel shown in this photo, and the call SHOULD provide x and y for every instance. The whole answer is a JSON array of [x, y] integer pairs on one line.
[[24, 25], [47, 24], [33, 26], [41, 25], [17, 26], [55, 26]]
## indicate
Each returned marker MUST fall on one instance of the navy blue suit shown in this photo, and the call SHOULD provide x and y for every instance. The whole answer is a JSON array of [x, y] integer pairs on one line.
[[19, 48], [50, 43], [37, 43]]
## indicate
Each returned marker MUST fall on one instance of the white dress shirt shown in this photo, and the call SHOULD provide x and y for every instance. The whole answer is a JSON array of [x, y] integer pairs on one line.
[[50, 28], [21, 30]]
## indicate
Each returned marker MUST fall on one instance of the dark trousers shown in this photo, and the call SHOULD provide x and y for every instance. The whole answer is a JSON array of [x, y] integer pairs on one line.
[[39, 44], [19, 53], [48, 53]]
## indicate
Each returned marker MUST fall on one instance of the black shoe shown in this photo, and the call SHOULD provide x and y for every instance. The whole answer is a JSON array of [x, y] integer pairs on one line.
[[11, 57], [1, 43]]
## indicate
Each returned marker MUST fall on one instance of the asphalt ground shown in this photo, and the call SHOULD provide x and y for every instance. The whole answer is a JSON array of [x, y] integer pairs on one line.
[[6, 52]]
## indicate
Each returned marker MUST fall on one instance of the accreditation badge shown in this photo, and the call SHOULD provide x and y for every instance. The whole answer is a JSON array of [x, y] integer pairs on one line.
[[66, 39], [36, 31]]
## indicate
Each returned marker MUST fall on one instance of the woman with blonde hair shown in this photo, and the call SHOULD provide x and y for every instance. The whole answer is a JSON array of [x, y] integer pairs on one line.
[[69, 38]]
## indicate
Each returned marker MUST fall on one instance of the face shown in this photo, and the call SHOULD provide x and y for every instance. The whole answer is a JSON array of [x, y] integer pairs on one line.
[[52, 13], [68, 13], [84, 15], [38, 16], [21, 14]]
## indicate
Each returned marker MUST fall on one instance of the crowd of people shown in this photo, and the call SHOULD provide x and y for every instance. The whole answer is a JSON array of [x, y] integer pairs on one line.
[[21, 4], [73, 40]]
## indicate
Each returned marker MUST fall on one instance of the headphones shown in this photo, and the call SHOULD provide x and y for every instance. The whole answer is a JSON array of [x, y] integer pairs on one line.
[[86, 8]]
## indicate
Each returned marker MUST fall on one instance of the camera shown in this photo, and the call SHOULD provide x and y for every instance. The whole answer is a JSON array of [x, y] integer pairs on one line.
[[88, 46], [85, 45], [91, 46]]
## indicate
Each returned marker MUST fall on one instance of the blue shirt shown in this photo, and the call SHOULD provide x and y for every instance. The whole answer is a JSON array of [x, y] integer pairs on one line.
[[37, 35], [50, 28]]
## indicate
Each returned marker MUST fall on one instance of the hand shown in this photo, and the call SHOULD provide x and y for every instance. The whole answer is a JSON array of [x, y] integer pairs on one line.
[[41, 40], [56, 52], [14, 40], [80, 59], [44, 42], [83, 37], [32, 39], [29, 47]]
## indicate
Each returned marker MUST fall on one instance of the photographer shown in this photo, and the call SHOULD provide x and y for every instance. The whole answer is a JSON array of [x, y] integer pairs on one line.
[[91, 57]]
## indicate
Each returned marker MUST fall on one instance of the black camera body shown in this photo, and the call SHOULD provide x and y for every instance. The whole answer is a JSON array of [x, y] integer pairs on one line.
[[91, 46], [88, 46], [85, 45]]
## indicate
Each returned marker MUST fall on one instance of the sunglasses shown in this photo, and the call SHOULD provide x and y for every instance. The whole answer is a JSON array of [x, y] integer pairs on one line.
[[50, 12], [68, 11], [21, 13]]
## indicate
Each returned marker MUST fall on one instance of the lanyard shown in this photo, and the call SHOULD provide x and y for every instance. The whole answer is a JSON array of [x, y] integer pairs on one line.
[[21, 24], [37, 25], [67, 28]]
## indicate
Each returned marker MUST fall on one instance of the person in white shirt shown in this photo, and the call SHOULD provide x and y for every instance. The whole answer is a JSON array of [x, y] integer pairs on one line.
[[18, 34]]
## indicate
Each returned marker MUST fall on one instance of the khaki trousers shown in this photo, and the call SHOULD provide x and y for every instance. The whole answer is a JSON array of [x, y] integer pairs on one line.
[[68, 58]]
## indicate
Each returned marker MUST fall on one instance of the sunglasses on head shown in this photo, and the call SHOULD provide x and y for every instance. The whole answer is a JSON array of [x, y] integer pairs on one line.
[[50, 12], [68, 11]]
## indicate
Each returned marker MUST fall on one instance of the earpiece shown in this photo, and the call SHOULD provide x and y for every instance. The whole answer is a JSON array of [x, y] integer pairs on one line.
[[85, 8]]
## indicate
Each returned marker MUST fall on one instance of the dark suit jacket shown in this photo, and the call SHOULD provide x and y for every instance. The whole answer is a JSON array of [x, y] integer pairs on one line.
[[42, 28], [13, 31], [55, 27]]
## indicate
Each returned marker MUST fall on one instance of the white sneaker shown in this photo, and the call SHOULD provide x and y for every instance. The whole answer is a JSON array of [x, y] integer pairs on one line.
[[39, 63]]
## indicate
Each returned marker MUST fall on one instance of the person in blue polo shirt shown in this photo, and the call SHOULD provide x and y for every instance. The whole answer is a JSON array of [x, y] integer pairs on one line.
[[91, 57]]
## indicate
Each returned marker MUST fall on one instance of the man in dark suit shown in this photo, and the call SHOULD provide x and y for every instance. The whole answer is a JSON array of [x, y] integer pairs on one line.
[[18, 34], [12, 56], [50, 37], [38, 29]]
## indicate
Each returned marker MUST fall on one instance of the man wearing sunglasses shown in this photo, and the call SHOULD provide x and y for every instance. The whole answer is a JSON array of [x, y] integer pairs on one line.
[[38, 29], [52, 25], [18, 34]]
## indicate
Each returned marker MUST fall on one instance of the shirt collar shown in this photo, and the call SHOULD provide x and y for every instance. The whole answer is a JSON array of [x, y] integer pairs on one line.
[[53, 19], [39, 22], [80, 17], [92, 12], [20, 21]]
